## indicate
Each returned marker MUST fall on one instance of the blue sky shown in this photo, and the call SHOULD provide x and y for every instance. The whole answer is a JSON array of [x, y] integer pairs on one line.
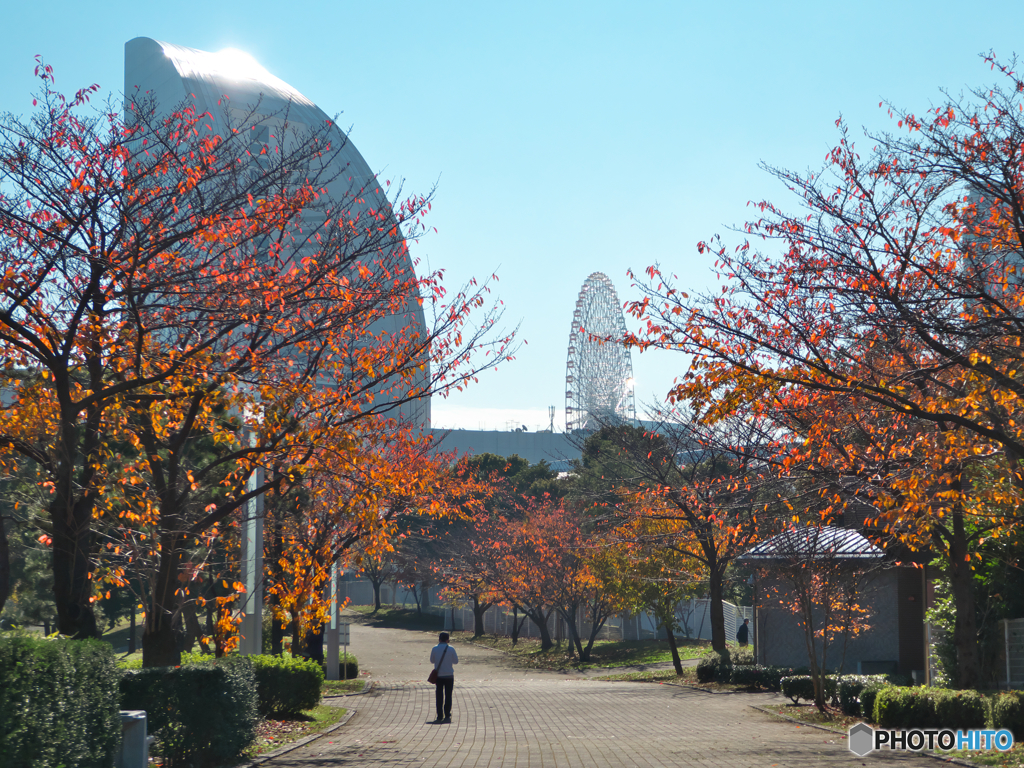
[[565, 138]]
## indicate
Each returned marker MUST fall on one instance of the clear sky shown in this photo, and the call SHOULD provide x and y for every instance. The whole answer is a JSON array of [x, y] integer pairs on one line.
[[565, 138]]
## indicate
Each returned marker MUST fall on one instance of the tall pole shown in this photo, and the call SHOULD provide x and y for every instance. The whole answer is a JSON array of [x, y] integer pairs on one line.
[[251, 631], [332, 626]]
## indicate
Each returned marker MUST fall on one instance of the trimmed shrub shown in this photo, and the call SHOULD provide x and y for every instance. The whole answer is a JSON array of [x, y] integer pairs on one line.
[[798, 687], [959, 710], [905, 707], [1008, 712], [714, 667], [58, 703], [287, 685], [758, 676], [849, 690], [350, 670], [743, 658], [203, 714], [867, 700]]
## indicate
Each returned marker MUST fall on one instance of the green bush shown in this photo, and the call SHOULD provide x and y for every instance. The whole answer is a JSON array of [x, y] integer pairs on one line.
[[959, 710], [714, 667], [743, 657], [348, 670], [287, 685], [905, 707], [58, 703], [758, 676], [798, 687], [203, 714], [867, 700], [849, 690], [1008, 712]]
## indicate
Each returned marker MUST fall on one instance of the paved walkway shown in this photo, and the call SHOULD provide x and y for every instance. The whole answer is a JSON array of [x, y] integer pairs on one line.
[[525, 719]]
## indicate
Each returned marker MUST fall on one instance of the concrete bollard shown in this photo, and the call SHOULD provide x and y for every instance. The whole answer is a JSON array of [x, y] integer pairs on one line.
[[134, 752]]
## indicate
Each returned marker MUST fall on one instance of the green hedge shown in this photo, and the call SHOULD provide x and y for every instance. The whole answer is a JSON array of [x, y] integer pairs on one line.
[[1008, 712], [287, 685], [202, 714], [743, 657], [58, 703], [714, 667], [850, 688], [759, 676], [798, 687], [959, 710], [867, 700], [905, 708], [349, 670]]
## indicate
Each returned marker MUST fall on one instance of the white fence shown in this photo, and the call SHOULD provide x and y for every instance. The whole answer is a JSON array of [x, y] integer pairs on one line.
[[694, 616]]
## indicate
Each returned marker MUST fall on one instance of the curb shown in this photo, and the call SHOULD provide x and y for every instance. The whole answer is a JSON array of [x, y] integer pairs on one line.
[[923, 752], [367, 685], [313, 736], [299, 742]]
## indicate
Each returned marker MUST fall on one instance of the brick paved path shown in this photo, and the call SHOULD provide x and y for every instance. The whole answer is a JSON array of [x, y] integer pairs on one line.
[[537, 720]]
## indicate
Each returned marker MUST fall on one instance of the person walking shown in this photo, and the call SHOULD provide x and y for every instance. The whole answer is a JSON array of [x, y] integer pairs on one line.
[[444, 658], [743, 634]]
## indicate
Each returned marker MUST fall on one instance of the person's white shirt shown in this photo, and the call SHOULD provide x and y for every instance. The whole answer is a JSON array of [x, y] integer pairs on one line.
[[447, 665]]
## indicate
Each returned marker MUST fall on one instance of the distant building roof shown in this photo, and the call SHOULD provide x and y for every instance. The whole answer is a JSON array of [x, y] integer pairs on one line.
[[813, 543]]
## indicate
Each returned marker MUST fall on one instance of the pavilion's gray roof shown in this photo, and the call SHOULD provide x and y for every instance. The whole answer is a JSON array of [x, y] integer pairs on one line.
[[813, 543]]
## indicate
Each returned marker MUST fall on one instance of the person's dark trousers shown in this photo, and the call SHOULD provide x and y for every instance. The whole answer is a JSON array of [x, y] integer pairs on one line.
[[443, 696]]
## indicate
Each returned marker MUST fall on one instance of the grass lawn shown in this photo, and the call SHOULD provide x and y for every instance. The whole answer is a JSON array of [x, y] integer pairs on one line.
[[118, 636], [342, 687], [605, 653], [396, 618], [273, 733], [689, 676], [1011, 758]]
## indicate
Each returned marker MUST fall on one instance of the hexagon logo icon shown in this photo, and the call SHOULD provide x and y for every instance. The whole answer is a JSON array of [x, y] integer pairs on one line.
[[861, 739]]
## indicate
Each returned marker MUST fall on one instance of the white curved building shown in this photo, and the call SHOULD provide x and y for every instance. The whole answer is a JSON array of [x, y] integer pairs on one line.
[[172, 75]]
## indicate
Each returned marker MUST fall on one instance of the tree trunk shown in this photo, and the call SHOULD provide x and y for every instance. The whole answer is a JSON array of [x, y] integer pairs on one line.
[[277, 633], [72, 586], [569, 616], [595, 628], [479, 609], [71, 518], [159, 641], [315, 644], [540, 620], [715, 592], [516, 625], [676, 661], [376, 595], [965, 629]]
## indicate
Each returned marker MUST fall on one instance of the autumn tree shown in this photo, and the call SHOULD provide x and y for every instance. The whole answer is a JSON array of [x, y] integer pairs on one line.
[[894, 295], [703, 492], [821, 575], [161, 289], [652, 577]]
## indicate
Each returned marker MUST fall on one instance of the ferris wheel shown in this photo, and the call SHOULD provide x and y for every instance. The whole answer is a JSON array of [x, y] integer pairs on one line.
[[598, 368]]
